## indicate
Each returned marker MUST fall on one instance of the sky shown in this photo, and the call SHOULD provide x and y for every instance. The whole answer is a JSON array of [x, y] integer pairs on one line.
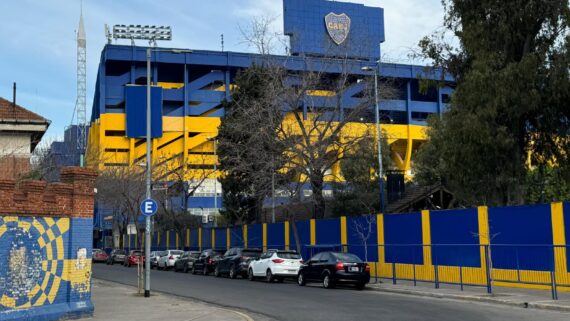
[[38, 47]]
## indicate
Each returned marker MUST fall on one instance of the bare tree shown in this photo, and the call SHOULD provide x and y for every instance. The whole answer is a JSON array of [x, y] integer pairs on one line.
[[363, 227]]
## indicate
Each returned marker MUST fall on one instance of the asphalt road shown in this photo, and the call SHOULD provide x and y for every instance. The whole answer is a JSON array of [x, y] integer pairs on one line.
[[288, 301]]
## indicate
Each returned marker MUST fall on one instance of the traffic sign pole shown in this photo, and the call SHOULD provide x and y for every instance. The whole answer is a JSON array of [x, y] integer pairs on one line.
[[148, 177]]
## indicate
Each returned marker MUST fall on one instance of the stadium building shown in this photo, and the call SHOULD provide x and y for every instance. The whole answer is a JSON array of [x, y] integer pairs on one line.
[[190, 86]]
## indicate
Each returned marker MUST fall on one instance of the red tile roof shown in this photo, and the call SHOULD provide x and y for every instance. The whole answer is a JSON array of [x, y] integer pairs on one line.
[[10, 112]]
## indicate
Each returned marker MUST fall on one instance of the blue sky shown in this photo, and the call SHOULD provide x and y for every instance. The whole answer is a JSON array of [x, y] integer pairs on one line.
[[38, 39]]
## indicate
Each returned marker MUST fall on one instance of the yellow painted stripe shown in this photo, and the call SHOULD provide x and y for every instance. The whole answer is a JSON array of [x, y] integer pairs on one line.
[[286, 226], [313, 232], [380, 235], [483, 218], [200, 238], [228, 238], [177, 241], [245, 235], [167, 239], [264, 237], [188, 237], [426, 237], [559, 238], [343, 237], [157, 238], [213, 232]]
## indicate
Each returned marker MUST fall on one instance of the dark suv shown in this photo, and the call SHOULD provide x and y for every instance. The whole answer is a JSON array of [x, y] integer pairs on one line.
[[235, 262], [332, 268], [206, 263]]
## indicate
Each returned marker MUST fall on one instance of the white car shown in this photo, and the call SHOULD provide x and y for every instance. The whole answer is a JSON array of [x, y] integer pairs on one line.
[[275, 265], [168, 258]]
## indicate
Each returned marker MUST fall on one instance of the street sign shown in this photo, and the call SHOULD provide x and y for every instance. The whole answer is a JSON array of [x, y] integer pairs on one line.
[[149, 207]]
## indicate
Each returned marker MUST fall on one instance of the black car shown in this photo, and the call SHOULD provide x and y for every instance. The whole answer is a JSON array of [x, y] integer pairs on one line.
[[332, 268], [206, 263], [186, 261], [235, 262]]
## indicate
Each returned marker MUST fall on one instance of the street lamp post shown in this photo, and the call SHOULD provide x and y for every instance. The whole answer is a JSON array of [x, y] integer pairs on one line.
[[378, 132]]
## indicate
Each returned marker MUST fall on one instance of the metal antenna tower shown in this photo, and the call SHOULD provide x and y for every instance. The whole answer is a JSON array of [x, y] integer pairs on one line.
[[80, 103]]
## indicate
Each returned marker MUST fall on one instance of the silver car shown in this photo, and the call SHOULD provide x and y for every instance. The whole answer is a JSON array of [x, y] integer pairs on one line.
[[168, 258], [154, 255]]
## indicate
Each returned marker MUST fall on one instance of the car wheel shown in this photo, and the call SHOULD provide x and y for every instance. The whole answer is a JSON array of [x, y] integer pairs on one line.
[[217, 272], [233, 274], [112, 262], [193, 270], [301, 279], [185, 269], [328, 283], [250, 275], [360, 286], [280, 280], [269, 276]]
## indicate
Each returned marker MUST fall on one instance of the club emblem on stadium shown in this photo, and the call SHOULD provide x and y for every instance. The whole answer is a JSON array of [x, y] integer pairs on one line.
[[338, 26]]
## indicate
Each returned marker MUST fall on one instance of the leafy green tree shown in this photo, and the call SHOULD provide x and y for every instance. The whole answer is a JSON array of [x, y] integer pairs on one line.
[[511, 67]]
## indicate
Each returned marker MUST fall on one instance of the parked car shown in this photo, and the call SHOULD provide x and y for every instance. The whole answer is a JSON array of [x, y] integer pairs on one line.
[[99, 256], [154, 256], [236, 262], [332, 268], [275, 265], [168, 258], [186, 261], [133, 258], [206, 263], [116, 256]]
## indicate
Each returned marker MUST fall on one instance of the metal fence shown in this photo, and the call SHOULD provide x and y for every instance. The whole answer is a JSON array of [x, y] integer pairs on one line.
[[465, 265]]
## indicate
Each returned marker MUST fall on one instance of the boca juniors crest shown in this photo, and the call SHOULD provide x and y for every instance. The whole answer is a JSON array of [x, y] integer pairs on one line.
[[338, 26]]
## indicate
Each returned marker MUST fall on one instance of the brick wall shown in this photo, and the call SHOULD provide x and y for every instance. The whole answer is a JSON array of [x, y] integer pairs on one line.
[[45, 247], [11, 167]]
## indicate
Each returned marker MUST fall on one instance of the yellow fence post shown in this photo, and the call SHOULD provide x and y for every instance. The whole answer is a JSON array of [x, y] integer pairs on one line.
[[559, 243], [343, 235], [200, 238], [381, 249], [213, 232], [313, 225], [244, 235], [187, 237], [484, 240], [228, 238], [264, 237], [286, 227]]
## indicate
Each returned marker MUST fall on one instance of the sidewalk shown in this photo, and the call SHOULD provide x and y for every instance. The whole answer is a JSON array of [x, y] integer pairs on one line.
[[115, 301], [525, 298]]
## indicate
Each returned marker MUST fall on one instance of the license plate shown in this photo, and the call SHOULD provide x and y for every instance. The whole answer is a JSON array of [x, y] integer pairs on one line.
[[354, 269]]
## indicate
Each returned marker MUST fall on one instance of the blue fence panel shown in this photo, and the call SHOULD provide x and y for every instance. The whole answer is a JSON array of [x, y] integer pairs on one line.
[[521, 225], [162, 243], [405, 230], [458, 231], [566, 208], [206, 238], [328, 231], [276, 236], [221, 238], [304, 233], [255, 236], [194, 242], [236, 236], [361, 230]]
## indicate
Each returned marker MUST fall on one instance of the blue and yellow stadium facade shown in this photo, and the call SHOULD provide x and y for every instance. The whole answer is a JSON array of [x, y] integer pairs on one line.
[[189, 87]]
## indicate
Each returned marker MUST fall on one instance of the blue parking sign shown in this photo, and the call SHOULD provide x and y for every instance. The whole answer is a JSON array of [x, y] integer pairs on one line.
[[149, 207]]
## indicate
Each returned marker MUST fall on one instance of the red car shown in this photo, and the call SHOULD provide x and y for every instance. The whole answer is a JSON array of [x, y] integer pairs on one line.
[[99, 256], [133, 258]]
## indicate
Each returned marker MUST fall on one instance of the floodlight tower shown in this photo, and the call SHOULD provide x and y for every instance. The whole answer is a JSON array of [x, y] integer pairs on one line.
[[80, 103]]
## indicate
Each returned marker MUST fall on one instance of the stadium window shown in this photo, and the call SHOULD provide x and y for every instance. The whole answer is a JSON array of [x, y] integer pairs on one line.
[[115, 133]]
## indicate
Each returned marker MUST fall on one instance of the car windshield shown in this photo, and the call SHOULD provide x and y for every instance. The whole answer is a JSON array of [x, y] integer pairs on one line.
[[137, 253], [250, 253], [194, 255], [288, 255], [176, 252], [347, 257]]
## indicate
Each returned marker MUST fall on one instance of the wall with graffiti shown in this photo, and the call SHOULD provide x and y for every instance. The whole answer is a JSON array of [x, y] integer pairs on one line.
[[45, 260]]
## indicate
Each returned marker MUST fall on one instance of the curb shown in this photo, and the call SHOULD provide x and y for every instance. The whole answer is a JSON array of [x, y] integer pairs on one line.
[[472, 298]]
